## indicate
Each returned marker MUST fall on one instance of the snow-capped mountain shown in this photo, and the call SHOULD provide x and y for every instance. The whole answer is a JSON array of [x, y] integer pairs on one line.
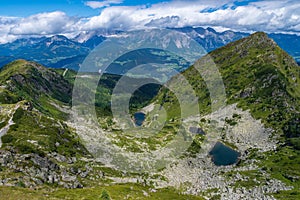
[[210, 39], [61, 52]]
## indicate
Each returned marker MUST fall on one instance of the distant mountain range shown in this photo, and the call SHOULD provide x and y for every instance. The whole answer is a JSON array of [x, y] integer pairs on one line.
[[62, 52]]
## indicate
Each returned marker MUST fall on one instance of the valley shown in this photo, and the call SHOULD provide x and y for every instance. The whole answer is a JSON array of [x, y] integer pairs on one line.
[[54, 148]]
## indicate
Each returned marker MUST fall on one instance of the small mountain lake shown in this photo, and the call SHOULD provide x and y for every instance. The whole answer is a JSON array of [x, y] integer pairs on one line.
[[223, 155], [139, 118]]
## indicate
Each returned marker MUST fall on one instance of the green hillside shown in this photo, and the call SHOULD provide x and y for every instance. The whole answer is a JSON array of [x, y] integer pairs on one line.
[[260, 77], [257, 74], [41, 149]]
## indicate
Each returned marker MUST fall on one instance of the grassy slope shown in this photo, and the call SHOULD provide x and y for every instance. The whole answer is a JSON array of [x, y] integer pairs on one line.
[[260, 76], [32, 126], [38, 88], [120, 191], [253, 66], [34, 83]]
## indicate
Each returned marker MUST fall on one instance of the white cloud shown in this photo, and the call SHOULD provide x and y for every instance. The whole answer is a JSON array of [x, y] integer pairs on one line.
[[5, 25], [122, 18], [43, 24], [269, 16], [258, 16], [51, 23], [101, 4]]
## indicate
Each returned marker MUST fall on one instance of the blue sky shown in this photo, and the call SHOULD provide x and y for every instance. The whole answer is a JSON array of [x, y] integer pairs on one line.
[[23, 8], [34, 18]]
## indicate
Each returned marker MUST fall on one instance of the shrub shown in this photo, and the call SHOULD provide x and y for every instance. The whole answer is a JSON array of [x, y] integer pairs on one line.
[[2, 124], [105, 195], [7, 138], [18, 115], [24, 148], [21, 184]]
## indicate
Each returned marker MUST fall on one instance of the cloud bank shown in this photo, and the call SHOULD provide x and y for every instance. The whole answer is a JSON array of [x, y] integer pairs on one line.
[[101, 4], [268, 16]]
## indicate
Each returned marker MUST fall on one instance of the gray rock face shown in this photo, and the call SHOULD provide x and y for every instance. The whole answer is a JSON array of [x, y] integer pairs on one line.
[[44, 162], [5, 157], [196, 130], [36, 170], [67, 177]]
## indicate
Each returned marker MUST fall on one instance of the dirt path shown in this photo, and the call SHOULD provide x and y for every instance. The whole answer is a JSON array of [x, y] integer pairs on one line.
[[4, 130]]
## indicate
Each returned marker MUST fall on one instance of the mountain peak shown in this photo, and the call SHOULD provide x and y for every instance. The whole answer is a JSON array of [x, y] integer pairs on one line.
[[262, 38], [259, 34], [257, 58], [20, 62], [259, 40], [31, 80], [19, 66], [58, 38], [257, 46], [257, 75]]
